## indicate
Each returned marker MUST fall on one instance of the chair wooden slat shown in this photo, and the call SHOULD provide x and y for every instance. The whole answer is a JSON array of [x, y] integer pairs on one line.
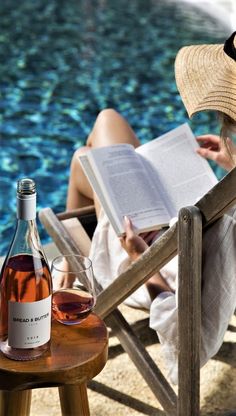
[[189, 310]]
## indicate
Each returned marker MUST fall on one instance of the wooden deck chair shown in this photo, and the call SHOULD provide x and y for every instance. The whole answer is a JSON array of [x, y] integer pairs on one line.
[[185, 237]]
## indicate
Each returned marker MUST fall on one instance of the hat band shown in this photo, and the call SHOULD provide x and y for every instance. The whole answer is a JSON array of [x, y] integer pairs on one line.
[[229, 47]]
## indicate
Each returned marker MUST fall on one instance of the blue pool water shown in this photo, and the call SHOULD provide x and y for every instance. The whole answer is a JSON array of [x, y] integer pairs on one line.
[[63, 61]]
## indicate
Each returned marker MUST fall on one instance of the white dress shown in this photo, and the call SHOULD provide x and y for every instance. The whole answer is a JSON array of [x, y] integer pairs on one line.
[[218, 287]]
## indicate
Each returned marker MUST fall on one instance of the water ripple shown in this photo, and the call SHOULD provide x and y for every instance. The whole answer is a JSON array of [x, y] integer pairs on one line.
[[63, 61]]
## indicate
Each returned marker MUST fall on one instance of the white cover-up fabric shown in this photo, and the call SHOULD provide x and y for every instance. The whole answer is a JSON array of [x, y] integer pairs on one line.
[[218, 287]]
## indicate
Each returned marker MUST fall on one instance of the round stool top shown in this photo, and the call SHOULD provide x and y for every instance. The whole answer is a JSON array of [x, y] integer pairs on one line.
[[77, 353]]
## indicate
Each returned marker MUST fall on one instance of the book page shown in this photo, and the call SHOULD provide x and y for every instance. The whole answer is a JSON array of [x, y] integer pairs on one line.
[[185, 175], [127, 187], [96, 186]]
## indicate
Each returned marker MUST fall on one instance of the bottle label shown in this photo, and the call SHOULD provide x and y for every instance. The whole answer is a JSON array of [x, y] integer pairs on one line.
[[29, 323]]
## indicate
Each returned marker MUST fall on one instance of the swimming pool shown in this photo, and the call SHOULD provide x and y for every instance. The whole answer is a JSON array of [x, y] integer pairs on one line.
[[63, 61]]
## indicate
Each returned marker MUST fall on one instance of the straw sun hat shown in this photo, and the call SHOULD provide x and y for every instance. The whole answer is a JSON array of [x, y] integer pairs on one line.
[[206, 77]]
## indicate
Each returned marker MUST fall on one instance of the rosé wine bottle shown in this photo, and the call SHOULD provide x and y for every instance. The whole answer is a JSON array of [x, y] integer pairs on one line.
[[25, 285]]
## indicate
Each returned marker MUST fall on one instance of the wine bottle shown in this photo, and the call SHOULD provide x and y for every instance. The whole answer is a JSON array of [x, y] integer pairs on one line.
[[25, 285]]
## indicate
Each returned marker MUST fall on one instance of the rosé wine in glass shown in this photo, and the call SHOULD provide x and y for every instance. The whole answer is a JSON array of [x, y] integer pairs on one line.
[[73, 288]]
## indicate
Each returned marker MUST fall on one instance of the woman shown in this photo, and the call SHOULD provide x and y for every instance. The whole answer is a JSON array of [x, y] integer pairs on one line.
[[206, 79]]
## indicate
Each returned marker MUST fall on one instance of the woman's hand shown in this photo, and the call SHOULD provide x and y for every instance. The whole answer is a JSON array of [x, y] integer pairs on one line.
[[133, 244], [213, 148]]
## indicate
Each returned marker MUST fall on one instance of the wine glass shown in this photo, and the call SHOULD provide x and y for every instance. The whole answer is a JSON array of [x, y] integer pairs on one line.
[[73, 288]]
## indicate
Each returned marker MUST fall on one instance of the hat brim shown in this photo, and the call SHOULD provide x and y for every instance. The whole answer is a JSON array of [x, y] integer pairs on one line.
[[206, 79]]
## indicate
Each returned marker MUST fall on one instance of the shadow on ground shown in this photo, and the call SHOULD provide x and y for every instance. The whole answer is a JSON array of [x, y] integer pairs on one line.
[[125, 399], [141, 328]]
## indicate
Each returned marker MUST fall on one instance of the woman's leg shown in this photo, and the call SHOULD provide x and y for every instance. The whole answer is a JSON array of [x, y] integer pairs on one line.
[[109, 128], [79, 192]]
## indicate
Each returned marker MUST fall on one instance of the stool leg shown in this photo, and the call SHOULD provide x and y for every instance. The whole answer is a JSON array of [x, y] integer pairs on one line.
[[74, 400], [15, 403]]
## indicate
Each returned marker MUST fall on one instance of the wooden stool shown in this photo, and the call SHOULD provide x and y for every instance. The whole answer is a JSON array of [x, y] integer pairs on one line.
[[76, 355]]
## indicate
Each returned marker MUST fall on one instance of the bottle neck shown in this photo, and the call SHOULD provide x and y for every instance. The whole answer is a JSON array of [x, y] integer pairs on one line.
[[26, 207], [26, 238]]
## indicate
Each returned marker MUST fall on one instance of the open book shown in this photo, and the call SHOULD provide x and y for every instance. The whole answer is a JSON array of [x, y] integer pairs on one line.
[[151, 183]]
